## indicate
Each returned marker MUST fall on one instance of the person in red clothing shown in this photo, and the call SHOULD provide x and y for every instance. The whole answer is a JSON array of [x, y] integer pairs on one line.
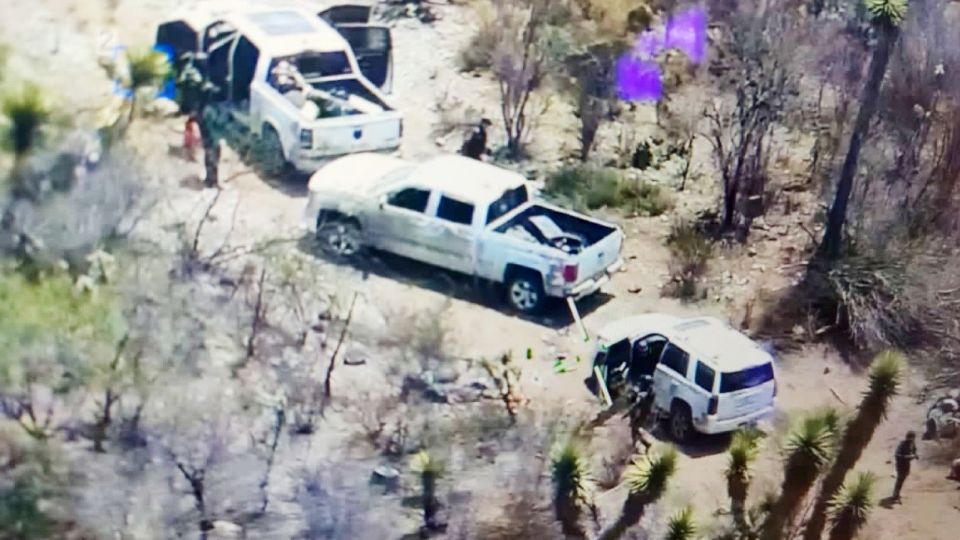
[[191, 137]]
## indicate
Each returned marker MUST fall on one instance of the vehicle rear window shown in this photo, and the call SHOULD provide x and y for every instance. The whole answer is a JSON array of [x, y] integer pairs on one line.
[[324, 64], [507, 202], [748, 378], [704, 377], [455, 211], [675, 359], [410, 199]]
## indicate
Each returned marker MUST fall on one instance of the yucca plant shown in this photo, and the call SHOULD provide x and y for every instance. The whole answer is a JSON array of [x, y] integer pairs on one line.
[[568, 469], [26, 111], [681, 526], [886, 16], [851, 506], [146, 69], [741, 454], [809, 448], [429, 470], [646, 480], [885, 375]]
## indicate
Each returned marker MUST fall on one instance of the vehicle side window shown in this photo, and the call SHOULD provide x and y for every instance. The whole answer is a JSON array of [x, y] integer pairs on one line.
[[675, 359], [455, 211], [410, 199], [704, 377]]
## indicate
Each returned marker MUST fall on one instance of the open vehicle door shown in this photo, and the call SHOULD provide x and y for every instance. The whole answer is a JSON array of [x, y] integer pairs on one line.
[[372, 44], [219, 40], [347, 14], [373, 47]]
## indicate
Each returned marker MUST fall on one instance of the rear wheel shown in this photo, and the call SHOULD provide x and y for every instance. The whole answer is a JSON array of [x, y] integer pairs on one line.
[[339, 237], [681, 423], [270, 156], [525, 292]]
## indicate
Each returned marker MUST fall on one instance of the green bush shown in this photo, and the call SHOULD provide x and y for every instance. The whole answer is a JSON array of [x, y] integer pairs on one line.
[[589, 187], [690, 252]]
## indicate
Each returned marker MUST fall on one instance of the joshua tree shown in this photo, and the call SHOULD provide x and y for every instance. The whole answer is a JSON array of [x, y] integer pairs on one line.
[[429, 470], [742, 452], [25, 112], [850, 508], [808, 449], [886, 16], [570, 487], [885, 375], [646, 479], [681, 526], [146, 68]]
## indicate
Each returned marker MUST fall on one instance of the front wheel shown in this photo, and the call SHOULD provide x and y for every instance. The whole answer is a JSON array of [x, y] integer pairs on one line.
[[339, 238], [525, 292]]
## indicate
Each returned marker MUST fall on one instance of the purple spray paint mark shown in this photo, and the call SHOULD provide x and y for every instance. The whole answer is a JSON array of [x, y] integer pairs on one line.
[[638, 76], [688, 32], [638, 80]]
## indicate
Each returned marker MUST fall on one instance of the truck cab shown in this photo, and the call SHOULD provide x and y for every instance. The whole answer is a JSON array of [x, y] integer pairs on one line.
[[338, 107]]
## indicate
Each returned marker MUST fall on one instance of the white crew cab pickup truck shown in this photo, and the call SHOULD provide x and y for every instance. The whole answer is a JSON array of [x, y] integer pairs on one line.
[[335, 105], [467, 216], [706, 377]]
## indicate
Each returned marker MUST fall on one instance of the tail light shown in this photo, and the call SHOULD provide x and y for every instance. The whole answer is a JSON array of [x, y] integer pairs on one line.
[[775, 388], [570, 272], [714, 405], [306, 139]]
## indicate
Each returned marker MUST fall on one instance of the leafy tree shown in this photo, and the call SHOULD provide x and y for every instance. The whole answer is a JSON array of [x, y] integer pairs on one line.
[[808, 450], [646, 479], [851, 506], [570, 487], [886, 16], [885, 375]]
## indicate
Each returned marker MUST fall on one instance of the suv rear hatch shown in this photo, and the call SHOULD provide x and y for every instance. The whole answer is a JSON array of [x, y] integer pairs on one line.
[[746, 391]]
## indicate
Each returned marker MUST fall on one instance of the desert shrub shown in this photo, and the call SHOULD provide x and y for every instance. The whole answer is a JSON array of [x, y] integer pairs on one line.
[[33, 480], [477, 53], [589, 187], [690, 253]]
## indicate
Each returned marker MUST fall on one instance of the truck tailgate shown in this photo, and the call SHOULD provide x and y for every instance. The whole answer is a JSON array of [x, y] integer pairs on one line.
[[359, 133], [600, 256]]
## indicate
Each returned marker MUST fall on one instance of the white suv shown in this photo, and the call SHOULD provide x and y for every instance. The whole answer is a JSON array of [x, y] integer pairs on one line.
[[706, 376]]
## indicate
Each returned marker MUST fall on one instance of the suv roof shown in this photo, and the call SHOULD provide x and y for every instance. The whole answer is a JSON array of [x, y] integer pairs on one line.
[[709, 339]]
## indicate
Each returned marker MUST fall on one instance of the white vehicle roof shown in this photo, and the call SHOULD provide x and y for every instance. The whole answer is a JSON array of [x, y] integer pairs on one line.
[[276, 28], [709, 339], [466, 179]]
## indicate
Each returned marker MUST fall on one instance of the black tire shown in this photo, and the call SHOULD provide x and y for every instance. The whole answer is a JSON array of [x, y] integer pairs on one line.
[[270, 156], [681, 423], [525, 292], [339, 237]]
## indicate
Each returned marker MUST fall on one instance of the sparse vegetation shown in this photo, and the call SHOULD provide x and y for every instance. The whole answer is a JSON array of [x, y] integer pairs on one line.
[[690, 251], [590, 187]]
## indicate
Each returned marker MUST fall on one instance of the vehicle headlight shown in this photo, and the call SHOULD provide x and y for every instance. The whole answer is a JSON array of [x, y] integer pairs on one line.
[[306, 138]]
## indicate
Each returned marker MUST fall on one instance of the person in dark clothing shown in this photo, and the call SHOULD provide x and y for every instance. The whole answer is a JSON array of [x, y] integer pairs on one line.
[[476, 145], [906, 452]]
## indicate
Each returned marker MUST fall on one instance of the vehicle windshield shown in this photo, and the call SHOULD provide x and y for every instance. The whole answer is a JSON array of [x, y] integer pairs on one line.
[[507, 202], [747, 378]]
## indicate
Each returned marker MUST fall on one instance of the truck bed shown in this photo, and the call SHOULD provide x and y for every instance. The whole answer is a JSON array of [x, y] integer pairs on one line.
[[530, 221]]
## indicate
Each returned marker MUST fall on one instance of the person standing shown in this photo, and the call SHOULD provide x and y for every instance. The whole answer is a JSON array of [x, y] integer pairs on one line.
[[906, 453], [476, 146]]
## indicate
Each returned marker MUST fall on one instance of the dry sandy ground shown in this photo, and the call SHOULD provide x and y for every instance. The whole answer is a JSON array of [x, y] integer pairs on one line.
[[54, 40]]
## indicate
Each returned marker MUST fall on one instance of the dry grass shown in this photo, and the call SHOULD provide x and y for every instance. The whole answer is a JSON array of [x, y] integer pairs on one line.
[[690, 253]]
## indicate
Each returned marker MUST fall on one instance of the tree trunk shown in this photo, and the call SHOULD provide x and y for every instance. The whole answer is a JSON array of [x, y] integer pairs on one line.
[[833, 236]]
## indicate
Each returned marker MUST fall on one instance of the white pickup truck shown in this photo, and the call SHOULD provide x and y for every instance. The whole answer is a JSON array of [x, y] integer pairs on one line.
[[463, 215], [342, 62]]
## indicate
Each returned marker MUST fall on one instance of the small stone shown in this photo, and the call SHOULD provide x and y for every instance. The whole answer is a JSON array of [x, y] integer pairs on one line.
[[386, 476], [354, 361], [635, 290], [752, 251], [826, 370]]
